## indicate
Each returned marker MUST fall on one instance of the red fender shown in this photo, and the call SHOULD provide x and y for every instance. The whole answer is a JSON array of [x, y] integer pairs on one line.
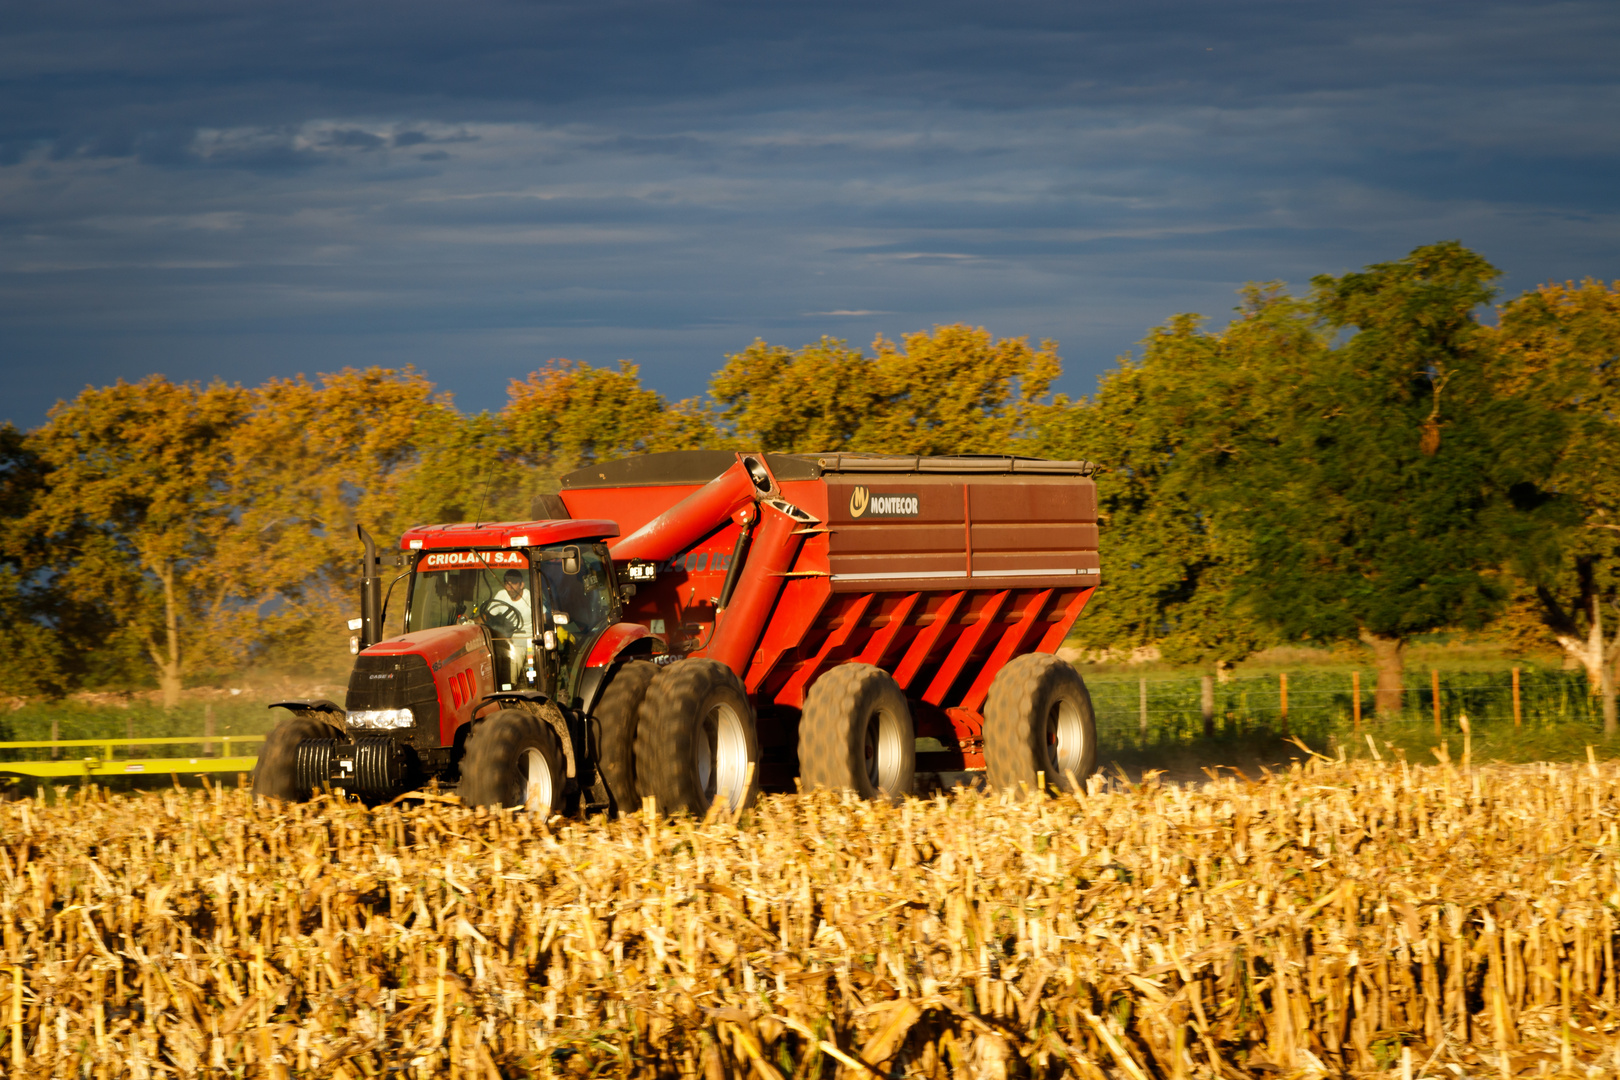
[[613, 641]]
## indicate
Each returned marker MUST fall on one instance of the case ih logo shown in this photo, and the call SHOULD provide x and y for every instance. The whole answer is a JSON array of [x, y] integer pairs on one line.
[[881, 504], [451, 560]]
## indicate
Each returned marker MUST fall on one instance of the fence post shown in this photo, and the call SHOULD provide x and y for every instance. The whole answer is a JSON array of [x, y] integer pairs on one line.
[[208, 729], [1143, 720], [1517, 715], [1283, 683], [56, 735], [1355, 695], [1207, 705], [1434, 697]]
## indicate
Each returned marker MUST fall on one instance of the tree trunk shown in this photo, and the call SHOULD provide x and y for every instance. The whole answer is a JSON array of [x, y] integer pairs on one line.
[[1605, 672], [1387, 655], [169, 662], [1611, 722], [1206, 704], [1599, 660]]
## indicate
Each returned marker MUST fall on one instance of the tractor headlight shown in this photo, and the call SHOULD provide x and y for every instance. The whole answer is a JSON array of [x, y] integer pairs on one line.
[[381, 718]]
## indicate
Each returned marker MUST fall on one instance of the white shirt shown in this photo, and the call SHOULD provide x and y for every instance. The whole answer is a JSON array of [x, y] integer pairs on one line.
[[525, 609]]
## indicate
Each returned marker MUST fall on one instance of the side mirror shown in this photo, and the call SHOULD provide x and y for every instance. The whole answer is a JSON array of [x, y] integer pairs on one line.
[[627, 590], [571, 560]]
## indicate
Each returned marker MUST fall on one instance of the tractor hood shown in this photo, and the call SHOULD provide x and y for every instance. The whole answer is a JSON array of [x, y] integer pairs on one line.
[[438, 646]]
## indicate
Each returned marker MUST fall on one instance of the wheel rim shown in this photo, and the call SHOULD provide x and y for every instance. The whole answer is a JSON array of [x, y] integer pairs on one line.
[[884, 747], [1065, 740], [535, 777], [721, 749]]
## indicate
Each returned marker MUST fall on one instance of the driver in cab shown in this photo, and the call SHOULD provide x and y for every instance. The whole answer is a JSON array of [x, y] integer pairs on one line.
[[514, 592]]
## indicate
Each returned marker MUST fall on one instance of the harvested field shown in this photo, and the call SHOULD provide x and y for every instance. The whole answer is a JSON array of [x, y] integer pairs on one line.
[[1342, 918]]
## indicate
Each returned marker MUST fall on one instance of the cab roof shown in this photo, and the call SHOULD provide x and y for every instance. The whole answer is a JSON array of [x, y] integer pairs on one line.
[[506, 534]]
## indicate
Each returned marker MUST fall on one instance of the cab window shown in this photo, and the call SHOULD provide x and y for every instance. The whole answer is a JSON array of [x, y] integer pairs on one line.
[[499, 597], [576, 592]]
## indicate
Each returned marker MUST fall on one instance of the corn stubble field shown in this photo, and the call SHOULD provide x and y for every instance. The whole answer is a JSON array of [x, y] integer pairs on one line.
[[1339, 918]]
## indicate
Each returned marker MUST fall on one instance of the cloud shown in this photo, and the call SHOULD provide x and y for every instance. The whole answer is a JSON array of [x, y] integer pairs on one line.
[[237, 190]]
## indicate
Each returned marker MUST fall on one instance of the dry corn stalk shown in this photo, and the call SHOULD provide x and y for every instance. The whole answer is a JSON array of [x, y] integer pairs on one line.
[[1339, 918]]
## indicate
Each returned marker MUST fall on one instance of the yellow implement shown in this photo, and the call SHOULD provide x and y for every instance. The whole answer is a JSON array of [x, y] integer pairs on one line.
[[107, 765]]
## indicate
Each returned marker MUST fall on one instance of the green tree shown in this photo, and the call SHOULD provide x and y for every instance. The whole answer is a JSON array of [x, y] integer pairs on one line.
[[35, 618], [1393, 486], [1560, 346], [1160, 428]]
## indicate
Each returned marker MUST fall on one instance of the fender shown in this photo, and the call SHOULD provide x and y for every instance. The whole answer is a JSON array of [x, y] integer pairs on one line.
[[617, 642]]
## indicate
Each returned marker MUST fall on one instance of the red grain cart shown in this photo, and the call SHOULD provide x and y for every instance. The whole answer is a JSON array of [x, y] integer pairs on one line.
[[693, 624]]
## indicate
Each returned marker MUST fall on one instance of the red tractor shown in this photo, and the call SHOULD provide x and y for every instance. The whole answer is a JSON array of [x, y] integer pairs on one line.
[[693, 625]]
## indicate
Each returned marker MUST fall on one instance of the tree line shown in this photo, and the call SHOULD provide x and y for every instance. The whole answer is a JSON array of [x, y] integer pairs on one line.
[[1369, 462]]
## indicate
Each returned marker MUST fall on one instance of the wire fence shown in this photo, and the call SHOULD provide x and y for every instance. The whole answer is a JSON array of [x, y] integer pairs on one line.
[[1152, 710]]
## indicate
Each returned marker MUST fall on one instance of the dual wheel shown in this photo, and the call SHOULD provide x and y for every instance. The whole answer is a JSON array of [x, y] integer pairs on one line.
[[1039, 727], [683, 734]]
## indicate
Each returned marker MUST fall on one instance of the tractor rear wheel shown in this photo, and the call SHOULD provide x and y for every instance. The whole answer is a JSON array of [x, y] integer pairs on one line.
[[275, 774], [513, 759], [695, 740], [1039, 720], [617, 714], [856, 733]]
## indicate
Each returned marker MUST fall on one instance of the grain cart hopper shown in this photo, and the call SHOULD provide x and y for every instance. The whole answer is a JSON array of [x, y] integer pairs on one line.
[[693, 624], [847, 605]]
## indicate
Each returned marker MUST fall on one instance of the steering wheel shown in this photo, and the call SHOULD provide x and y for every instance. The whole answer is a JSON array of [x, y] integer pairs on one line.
[[501, 617]]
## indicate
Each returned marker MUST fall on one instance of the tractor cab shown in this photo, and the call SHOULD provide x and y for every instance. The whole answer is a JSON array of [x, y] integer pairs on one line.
[[540, 593], [538, 607]]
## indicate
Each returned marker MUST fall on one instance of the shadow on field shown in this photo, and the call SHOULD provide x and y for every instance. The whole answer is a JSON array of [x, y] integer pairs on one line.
[[1192, 761]]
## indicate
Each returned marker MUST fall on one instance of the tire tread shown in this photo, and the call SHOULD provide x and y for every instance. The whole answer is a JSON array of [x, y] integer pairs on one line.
[[1011, 712]]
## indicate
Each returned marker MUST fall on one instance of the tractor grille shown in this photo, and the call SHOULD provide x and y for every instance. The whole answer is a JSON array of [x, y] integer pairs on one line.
[[398, 682]]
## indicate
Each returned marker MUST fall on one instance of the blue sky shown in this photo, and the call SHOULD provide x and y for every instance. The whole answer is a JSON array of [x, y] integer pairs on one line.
[[238, 190]]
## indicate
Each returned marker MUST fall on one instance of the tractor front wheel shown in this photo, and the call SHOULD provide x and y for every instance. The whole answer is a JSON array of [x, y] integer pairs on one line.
[[513, 759], [275, 774], [1038, 720], [856, 734], [695, 741]]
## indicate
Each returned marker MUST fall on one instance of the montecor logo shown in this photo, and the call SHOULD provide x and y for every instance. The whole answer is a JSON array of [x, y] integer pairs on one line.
[[881, 504]]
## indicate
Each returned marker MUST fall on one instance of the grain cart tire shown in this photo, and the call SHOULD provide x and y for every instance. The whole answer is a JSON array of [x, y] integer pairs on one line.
[[695, 739], [275, 774], [856, 734], [513, 759], [618, 712], [1039, 719]]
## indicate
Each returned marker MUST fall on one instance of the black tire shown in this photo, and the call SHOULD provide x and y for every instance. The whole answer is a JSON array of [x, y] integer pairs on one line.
[[695, 739], [1039, 719], [275, 774], [856, 734], [511, 758], [617, 714]]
